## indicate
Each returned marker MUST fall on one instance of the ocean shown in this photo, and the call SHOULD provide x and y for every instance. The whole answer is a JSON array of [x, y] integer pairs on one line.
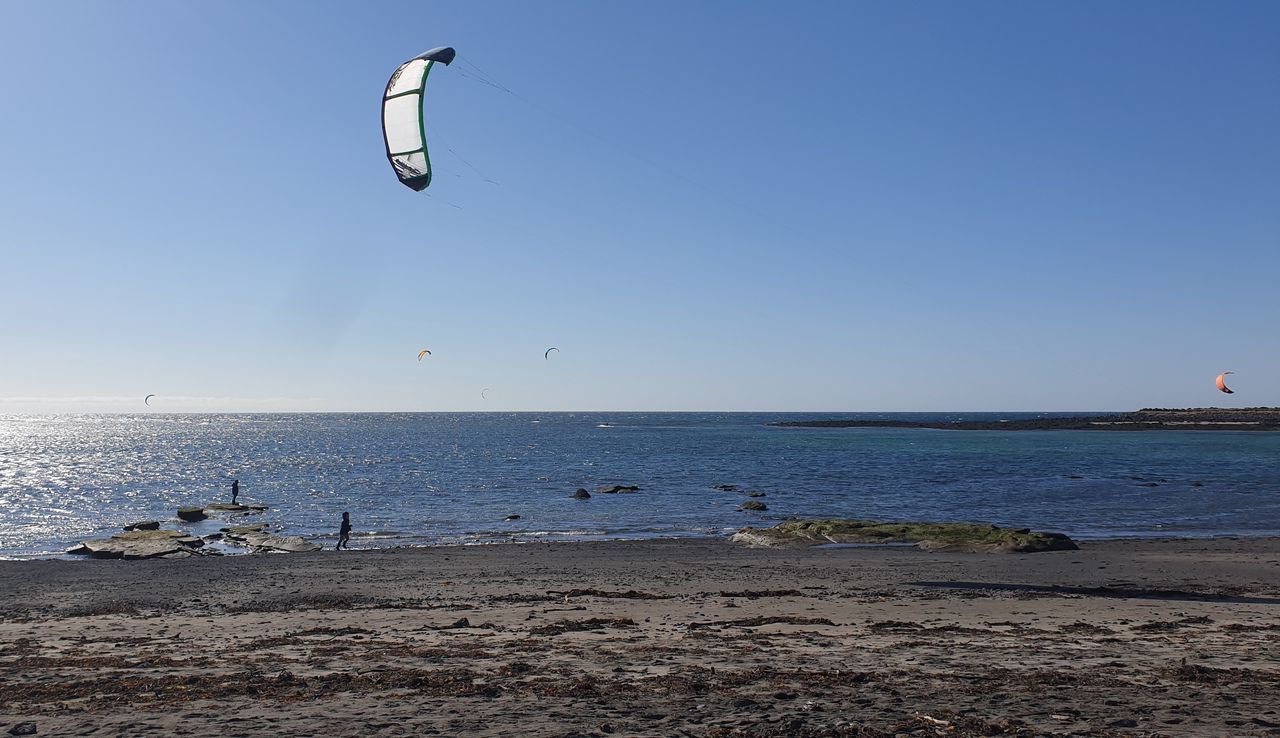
[[447, 478]]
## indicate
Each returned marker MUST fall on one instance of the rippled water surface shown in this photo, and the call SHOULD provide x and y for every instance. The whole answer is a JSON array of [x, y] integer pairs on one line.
[[431, 478]]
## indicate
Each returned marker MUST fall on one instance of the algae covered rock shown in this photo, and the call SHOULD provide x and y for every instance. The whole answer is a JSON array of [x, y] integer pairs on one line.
[[962, 537], [753, 505], [234, 507]]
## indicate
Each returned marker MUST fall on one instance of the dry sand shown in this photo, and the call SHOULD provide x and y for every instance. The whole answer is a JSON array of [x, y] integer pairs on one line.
[[667, 638]]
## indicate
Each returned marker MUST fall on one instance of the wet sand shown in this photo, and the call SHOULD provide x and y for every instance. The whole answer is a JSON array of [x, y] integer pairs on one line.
[[663, 638]]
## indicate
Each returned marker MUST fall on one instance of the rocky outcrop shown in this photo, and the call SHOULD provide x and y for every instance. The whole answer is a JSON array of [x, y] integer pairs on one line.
[[612, 489], [753, 505], [256, 539], [960, 537], [142, 544], [510, 518], [191, 514], [143, 525], [581, 494]]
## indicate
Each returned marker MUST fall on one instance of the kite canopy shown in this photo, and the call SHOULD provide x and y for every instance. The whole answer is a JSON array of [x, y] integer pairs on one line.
[[147, 400], [404, 128], [547, 354], [1221, 381], [423, 353]]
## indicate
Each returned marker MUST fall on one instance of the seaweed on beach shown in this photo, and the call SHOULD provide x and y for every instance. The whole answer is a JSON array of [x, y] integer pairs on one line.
[[760, 620], [630, 594], [752, 594], [571, 626]]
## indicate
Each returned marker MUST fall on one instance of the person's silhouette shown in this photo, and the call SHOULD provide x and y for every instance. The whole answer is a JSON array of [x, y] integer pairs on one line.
[[344, 532], [235, 491]]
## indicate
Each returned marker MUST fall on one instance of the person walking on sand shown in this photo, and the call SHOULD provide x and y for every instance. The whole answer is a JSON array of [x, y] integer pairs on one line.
[[235, 491], [344, 532]]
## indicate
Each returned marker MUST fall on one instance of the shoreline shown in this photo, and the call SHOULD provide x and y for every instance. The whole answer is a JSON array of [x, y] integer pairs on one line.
[[676, 637], [327, 542]]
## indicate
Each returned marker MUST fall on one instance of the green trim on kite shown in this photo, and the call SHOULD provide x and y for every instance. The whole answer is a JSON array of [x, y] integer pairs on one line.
[[406, 153], [402, 94], [422, 119]]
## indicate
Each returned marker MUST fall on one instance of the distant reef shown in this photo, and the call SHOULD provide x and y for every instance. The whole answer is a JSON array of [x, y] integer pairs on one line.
[[1151, 418]]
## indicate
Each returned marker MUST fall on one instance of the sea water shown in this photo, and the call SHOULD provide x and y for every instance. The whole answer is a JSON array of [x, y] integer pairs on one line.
[[440, 478]]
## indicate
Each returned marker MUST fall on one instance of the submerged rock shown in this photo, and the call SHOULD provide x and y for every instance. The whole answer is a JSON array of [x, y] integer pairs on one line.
[[509, 518], [581, 494], [753, 505], [725, 487], [610, 489], [144, 525], [753, 493], [960, 537]]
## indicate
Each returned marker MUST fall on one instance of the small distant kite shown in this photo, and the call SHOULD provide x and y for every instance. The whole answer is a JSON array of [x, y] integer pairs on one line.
[[547, 354], [423, 353], [1221, 381], [482, 393], [147, 400]]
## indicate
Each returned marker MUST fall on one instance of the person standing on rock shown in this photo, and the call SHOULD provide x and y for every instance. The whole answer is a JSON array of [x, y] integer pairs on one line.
[[235, 491], [344, 532]]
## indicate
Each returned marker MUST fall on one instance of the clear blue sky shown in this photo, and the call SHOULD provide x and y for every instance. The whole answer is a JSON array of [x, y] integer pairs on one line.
[[705, 205]]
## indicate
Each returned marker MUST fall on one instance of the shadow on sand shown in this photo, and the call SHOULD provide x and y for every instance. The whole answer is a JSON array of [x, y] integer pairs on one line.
[[1115, 592]]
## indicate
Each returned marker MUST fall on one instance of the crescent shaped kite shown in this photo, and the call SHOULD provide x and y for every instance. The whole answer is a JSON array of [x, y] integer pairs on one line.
[[547, 354], [423, 353], [147, 400], [404, 128], [1221, 381], [482, 393]]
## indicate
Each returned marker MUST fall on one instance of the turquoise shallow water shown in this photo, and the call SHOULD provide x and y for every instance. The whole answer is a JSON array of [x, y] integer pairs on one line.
[[453, 478]]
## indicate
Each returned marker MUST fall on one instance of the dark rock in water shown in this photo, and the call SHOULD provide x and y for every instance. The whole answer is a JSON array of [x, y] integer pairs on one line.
[[191, 514], [509, 518], [753, 493], [213, 537], [1149, 484], [753, 505], [144, 525], [27, 728], [1074, 476], [581, 494], [725, 487], [610, 489], [1197, 484]]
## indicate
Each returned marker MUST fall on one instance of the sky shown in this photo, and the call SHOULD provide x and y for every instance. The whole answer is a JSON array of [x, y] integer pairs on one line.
[[710, 206]]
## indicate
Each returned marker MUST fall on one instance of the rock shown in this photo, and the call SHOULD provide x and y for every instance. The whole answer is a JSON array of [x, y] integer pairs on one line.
[[753, 493], [191, 514], [961, 537], [1123, 723], [144, 525], [509, 518], [241, 530], [259, 542], [610, 489], [1149, 484], [725, 487], [753, 505], [460, 623], [581, 494], [81, 550], [234, 507], [27, 728], [144, 544]]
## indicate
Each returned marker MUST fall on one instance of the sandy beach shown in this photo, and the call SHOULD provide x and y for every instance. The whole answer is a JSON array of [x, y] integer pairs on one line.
[[681, 638]]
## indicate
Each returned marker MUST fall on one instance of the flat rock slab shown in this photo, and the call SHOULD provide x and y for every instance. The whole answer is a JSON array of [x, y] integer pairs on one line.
[[952, 537], [613, 489], [233, 507], [142, 544], [260, 542]]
